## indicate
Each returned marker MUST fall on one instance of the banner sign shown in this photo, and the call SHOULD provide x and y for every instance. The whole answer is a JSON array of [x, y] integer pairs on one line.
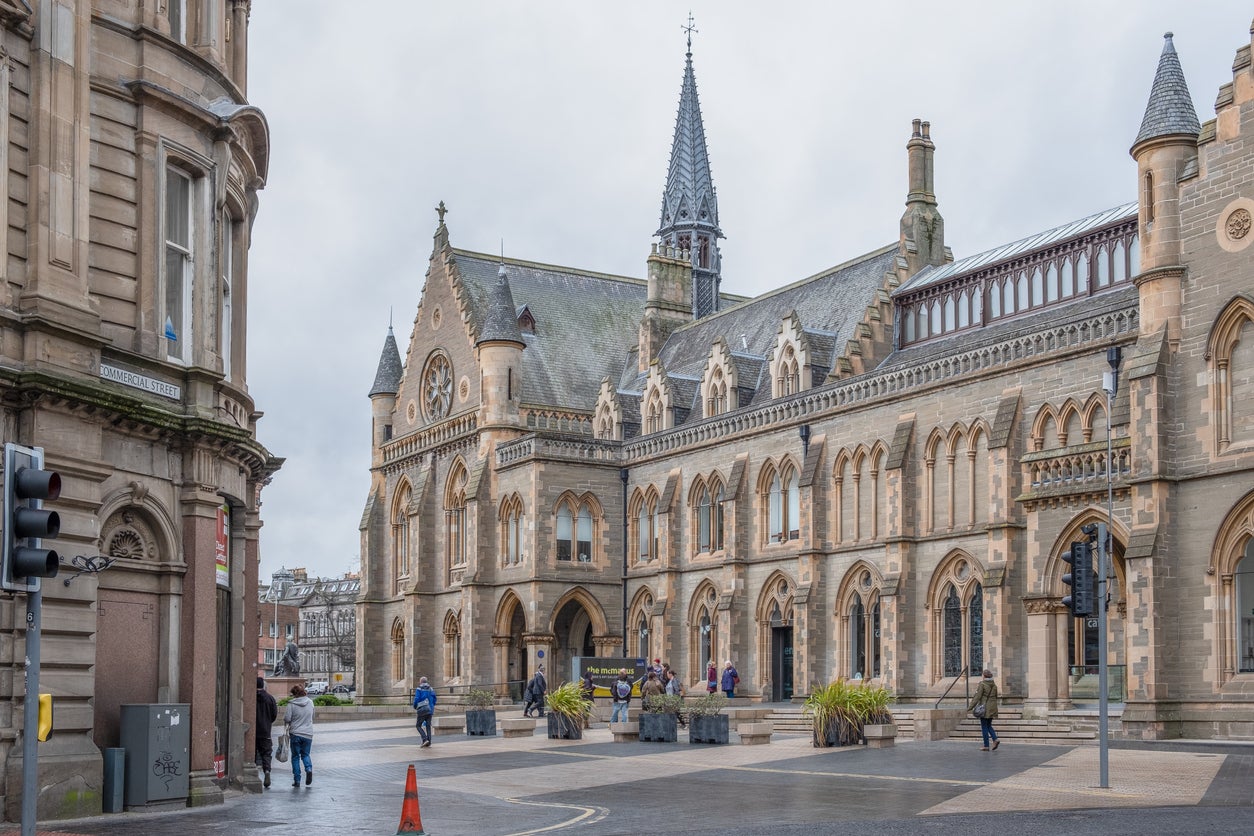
[[605, 672], [221, 547]]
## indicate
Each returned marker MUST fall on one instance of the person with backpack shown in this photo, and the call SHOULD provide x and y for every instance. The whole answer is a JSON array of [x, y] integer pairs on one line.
[[621, 696], [424, 705]]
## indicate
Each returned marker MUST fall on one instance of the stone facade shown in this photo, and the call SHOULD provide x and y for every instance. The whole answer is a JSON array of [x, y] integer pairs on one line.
[[876, 470], [131, 164]]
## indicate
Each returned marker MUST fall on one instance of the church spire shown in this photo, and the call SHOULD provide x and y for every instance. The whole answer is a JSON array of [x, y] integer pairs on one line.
[[690, 203], [387, 378], [1169, 111]]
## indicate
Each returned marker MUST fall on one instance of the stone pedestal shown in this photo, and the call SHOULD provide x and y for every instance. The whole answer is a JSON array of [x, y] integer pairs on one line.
[[280, 687]]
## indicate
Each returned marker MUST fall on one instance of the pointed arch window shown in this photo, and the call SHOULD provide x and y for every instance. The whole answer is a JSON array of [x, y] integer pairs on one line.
[[1068, 279], [953, 632], [646, 527], [511, 531], [788, 380], [653, 412], [704, 520], [783, 505], [400, 537], [565, 530], [716, 395], [455, 517], [575, 529], [642, 637], [959, 620]]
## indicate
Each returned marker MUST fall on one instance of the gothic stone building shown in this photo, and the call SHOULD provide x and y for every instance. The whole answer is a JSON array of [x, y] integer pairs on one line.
[[875, 470], [131, 161]]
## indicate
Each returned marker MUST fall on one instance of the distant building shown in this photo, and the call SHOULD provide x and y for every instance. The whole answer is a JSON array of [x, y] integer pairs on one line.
[[132, 162], [874, 470], [320, 615]]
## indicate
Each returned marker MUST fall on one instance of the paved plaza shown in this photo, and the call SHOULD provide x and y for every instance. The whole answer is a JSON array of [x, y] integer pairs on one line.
[[595, 786]]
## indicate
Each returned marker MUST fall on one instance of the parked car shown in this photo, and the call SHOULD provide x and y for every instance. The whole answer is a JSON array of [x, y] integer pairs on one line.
[[342, 689], [321, 686]]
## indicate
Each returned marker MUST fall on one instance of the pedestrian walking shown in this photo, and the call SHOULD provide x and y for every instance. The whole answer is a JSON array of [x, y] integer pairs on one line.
[[586, 689], [621, 697], [984, 706], [424, 705], [267, 712], [675, 687], [730, 680], [533, 696], [711, 677], [299, 720]]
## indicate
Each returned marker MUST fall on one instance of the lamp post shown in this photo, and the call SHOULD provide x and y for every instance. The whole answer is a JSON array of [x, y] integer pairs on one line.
[[1105, 533]]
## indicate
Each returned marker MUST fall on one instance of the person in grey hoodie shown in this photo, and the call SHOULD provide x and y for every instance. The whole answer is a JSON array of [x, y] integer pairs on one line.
[[299, 721]]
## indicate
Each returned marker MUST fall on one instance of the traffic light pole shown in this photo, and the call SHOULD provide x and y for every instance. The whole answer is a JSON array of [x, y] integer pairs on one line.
[[30, 714]]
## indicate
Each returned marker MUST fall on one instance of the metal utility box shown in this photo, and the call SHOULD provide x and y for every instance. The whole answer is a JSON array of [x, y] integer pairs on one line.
[[157, 740]]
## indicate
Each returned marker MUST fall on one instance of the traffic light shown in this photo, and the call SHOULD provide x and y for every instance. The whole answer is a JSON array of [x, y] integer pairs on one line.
[[26, 523], [1080, 579]]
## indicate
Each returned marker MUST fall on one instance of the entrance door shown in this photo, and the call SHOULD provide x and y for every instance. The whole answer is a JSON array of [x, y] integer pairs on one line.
[[781, 664]]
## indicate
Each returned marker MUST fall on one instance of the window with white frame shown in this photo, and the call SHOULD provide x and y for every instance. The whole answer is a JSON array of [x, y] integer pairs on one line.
[[179, 264]]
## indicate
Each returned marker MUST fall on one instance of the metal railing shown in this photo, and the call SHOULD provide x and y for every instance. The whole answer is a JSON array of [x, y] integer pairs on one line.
[[513, 689], [965, 675]]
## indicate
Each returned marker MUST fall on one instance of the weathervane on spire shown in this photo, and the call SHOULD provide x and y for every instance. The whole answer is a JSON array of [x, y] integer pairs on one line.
[[440, 210], [690, 29]]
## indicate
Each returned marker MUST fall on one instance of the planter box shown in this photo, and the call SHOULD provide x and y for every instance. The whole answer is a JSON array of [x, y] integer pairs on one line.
[[839, 734], [659, 728], [712, 729], [481, 722], [562, 727], [880, 735]]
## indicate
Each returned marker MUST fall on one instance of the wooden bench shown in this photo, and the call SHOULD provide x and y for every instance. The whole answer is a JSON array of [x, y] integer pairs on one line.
[[625, 732], [752, 734], [448, 724], [518, 727]]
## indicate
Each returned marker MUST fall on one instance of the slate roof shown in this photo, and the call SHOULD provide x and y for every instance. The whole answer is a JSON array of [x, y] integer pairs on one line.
[[387, 379], [933, 275], [1169, 111], [585, 321], [501, 322], [689, 185], [832, 302]]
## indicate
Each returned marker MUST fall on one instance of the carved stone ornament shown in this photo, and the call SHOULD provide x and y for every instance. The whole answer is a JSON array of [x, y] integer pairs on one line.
[[126, 535], [1238, 225]]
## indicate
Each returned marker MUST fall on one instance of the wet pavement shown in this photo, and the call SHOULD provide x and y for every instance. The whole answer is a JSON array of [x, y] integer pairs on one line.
[[594, 786]]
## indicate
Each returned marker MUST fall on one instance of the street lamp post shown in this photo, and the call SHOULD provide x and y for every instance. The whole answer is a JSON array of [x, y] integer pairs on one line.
[[1105, 533]]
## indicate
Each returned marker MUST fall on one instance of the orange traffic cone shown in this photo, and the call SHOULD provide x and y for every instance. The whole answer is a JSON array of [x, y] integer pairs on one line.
[[411, 815]]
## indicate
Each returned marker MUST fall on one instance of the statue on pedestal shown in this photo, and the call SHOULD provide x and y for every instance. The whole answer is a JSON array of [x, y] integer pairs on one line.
[[289, 662]]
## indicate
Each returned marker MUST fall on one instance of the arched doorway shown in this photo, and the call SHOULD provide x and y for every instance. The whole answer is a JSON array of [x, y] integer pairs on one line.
[[573, 632]]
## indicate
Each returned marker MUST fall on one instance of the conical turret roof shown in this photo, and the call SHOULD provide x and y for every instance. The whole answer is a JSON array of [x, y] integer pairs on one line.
[[501, 322], [689, 200], [1170, 109], [387, 379]]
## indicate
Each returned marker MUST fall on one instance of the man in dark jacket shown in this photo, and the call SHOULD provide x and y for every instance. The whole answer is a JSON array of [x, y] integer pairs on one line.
[[267, 711], [535, 692]]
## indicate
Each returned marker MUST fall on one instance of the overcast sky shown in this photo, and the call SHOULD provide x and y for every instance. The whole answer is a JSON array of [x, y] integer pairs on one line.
[[548, 125]]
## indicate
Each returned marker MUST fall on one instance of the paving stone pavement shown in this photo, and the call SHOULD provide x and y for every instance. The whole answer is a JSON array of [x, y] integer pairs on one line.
[[533, 785]]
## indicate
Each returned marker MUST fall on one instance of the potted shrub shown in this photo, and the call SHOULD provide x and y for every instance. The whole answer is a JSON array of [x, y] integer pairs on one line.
[[836, 719], [706, 721], [877, 720], [659, 718], [842, 710], [481, 712], [567, 708]]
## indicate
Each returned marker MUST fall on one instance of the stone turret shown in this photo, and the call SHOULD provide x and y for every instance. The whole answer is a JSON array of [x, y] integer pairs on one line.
[[1164, 148], [500, 353], [667, 304], [387, 382], [922, 227]]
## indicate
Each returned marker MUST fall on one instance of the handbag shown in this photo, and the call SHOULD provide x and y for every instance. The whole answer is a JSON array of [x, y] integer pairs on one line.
[[280, 754], [978, 711]]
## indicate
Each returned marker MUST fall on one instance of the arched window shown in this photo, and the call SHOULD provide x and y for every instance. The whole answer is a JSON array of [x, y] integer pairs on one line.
[[452, 646], [716, 538], [1244, 629], [788, 380], [1051, 283], [398, 650], [704, 520], [716, 395], [706, 628], [642, 637], [782, 504], [1147, 197], [1068, 279], [776, 500], [654, 412], [994, 300], [1008, 297], [951, 314], [958, 622], [1022, 301], [1082, 273], [909, 318], [511, 530], [1119, 261], [937, 322], [857, 637], [1038, 288], [964, 310], [1134, 255], [400, 536], [953, 632], [1103, 267], [646, 535], [565, 532], [455, 516], [861, 611]]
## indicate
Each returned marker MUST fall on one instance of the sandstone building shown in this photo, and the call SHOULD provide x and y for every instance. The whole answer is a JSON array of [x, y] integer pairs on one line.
[[875, 470], [131, 163]]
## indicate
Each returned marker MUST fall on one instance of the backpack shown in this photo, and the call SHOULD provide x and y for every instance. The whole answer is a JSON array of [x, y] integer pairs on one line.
[[622, 690]]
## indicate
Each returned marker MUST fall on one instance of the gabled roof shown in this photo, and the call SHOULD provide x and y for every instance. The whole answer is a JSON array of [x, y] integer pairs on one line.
[[585, 321], [1169, 111], [832, 302]]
